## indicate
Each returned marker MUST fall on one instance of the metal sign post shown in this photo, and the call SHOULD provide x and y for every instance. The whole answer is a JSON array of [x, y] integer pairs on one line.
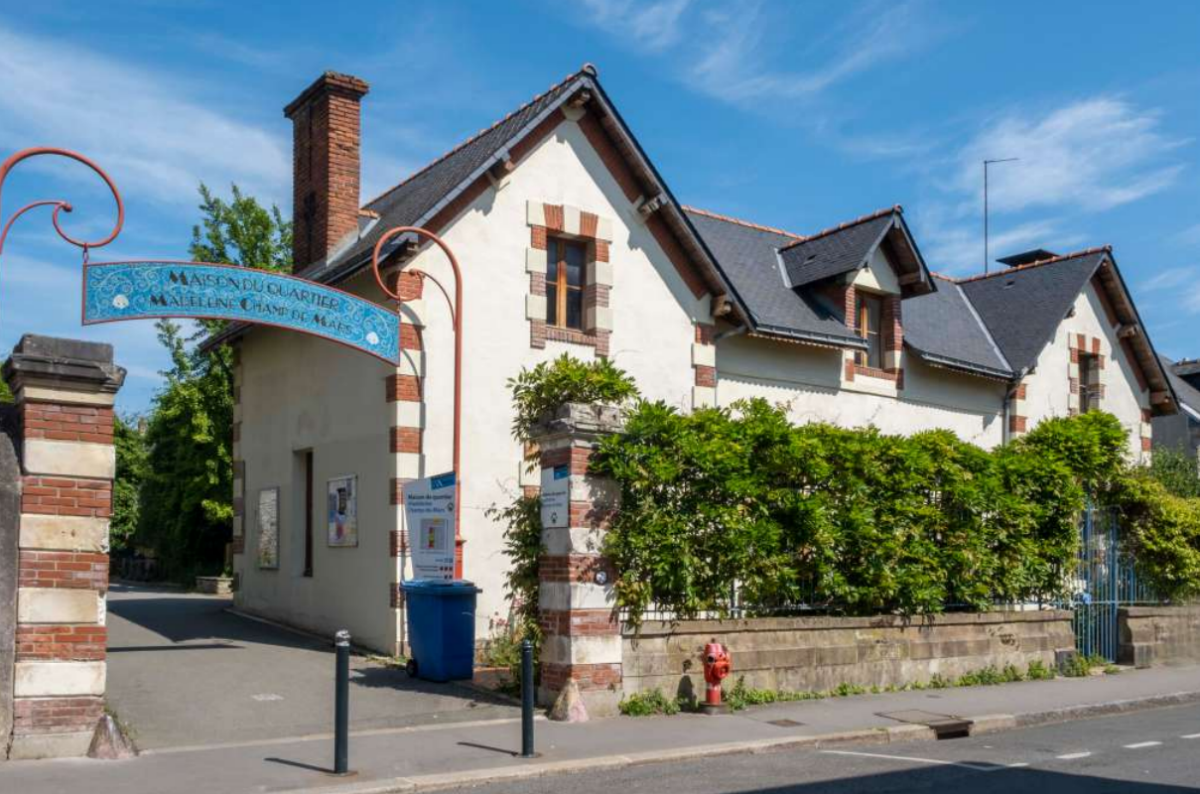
[[456, 320]]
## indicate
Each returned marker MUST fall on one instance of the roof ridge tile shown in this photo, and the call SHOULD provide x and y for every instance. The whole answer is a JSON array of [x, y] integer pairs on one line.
[[740, 222], [1039, 263], [895, 208]]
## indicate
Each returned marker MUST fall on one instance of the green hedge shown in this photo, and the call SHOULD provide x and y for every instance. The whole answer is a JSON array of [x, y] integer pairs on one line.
[[856, 521], [853, 520]]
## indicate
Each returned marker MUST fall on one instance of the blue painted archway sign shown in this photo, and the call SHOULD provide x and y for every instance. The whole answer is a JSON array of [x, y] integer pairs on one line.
[[114, 291]]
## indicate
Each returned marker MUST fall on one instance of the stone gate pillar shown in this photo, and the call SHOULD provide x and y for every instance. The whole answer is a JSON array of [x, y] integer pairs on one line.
[[64, 391], [580, 625]]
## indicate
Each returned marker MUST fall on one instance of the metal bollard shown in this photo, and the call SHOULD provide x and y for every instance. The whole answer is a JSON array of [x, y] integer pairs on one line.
[[527, 699], [341, 709]]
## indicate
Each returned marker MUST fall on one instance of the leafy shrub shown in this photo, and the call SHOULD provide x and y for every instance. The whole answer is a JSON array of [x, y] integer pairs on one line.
[[1078, 665], [1163, 533], [502, 648], [855, 520], [522, 521], [1177, 472], [1039, 671], [548, 385], [648, 703]]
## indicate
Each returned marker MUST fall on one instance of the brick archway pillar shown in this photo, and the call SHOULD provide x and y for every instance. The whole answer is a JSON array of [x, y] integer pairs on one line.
[[580, 624], [64, 391]]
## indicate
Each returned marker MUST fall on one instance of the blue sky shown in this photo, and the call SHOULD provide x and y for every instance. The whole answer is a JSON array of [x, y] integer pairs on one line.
[[798, 115]]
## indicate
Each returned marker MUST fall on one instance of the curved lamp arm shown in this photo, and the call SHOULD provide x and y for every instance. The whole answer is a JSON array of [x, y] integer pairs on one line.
[[456, 317]]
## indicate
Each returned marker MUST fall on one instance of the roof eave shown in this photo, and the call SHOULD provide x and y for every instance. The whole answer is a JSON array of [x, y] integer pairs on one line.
[[945, 362], [677, 219], [817, 338]]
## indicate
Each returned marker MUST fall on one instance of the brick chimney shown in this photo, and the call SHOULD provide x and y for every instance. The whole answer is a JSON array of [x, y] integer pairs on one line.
[[325, 165]]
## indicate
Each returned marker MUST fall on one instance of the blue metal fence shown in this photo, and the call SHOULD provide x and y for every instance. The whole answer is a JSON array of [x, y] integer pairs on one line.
[[1104, 580]]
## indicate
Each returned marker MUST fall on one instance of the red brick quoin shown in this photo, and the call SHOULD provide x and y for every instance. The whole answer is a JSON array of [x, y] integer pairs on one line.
[[52, 715], [67, 422], [66, 496], [63, 570], [83, 643]]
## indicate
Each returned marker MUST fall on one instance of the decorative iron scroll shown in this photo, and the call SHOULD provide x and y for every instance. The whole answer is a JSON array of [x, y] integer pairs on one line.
[[114, 291], [58, 204]]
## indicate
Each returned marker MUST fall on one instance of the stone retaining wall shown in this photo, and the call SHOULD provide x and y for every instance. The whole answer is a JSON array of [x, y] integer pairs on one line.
[[819, 653], [1152, 636]]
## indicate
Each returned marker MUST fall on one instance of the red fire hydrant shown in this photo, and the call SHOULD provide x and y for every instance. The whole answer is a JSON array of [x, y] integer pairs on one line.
[[717, 665]]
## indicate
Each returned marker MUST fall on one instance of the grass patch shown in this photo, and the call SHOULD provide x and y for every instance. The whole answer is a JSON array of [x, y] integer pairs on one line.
[[1080, 666], [647, 704], [741, 696]]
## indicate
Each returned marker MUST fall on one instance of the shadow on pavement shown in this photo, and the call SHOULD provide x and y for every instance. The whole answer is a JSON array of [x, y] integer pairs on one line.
[[987, 779], [180, 619], [379, 677]]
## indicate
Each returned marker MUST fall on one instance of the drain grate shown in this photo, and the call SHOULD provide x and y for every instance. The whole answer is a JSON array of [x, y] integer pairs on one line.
[[944, 726], [785, 723]]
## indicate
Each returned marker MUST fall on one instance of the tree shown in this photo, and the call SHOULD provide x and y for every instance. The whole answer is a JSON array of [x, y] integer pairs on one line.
[[130, 444], [185, 509]]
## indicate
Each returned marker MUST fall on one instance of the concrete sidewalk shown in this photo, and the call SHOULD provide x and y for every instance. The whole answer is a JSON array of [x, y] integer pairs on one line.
[[429, 757]]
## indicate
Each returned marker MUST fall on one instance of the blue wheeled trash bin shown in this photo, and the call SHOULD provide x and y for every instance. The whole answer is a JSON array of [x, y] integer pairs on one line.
[[441, 629]]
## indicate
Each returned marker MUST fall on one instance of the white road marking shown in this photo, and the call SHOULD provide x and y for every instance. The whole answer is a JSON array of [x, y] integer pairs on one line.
[[916, 760], [266, 697], [1141, 745], [1190, 736], [1072, 756], [1018, 765]]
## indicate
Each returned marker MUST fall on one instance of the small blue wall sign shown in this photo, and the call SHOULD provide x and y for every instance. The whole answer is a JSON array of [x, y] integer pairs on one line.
[[115, 291]]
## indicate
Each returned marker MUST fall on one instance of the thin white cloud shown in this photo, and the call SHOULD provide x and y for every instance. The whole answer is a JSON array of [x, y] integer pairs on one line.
[[736, 65], [954, 249], [654, 26], [1171, 279], [1088, 156], [1189, 236], [1179, 286], [134, 121], [1094, 154]]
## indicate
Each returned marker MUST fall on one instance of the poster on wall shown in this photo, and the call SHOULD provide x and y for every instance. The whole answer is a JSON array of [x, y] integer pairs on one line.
[[429, 517], [268, 528], [343, 511], [556, 483]]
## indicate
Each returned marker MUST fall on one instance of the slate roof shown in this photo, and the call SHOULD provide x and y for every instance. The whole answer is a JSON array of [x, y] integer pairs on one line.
[[420, 196], [1023, 306], [1188, 395], [835, 251], [747, 254], [994, 325], [943, 327]]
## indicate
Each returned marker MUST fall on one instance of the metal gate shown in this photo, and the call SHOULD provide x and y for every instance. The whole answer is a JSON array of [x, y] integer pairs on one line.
[[1105, 580]]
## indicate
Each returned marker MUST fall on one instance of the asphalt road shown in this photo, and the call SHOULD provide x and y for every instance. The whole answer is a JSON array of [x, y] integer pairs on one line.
[[184, 672], [1149, 752]]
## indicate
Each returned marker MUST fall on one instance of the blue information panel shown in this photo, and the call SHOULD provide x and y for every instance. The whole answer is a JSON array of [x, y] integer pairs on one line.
[[138, 290]]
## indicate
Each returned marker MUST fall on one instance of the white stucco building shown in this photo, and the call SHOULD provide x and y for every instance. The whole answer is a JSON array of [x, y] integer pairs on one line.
[[570, 241]]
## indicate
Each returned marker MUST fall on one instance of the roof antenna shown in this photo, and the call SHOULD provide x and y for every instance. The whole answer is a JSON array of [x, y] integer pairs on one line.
[[986, 163]]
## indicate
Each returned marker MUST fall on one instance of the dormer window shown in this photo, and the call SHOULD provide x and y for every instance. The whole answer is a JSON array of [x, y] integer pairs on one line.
[[869, 325]]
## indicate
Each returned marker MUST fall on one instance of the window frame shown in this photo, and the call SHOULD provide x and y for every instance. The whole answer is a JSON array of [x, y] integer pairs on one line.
[[560, 285], [1090, 394], [874, 338]]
